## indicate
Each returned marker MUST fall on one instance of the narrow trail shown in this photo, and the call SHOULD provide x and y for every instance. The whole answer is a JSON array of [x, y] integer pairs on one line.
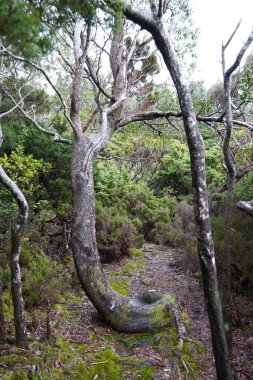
[[82, 347], [165, 271]]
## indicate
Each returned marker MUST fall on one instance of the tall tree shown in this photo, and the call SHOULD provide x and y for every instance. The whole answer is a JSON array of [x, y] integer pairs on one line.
[[154, 22], [231, 177], [90, 136]]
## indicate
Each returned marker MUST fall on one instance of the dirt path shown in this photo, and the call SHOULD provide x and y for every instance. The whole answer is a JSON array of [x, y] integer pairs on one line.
[[83, 348], [164, 272]]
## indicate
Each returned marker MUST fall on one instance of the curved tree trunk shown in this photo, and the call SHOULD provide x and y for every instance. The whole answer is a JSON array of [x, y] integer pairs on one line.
[[122, 313], [16, 235]]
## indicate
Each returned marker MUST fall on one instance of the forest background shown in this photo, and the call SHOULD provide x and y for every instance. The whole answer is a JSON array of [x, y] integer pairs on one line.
[[142, 180]]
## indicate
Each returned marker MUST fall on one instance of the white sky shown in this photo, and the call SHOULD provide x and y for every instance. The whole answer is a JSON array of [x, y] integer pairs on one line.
[[216, 20]]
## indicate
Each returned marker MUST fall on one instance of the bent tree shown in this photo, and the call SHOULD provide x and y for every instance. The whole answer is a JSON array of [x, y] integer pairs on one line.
[[90, 136], [124, 314]]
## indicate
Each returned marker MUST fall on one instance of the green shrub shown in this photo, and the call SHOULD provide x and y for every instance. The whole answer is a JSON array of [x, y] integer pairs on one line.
[[116, 233], [42, 278]]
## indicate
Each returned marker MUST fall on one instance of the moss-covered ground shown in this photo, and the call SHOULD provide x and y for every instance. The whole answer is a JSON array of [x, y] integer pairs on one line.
[[81, 346]]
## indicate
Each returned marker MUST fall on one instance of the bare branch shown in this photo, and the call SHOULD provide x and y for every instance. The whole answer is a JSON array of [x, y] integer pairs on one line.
[[90, 72], [43, 72], [232, 35], [240, 55], [246, 207], [56, 135], [3, 114]]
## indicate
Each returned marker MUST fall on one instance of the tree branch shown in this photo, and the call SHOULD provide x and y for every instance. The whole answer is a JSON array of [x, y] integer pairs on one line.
[[43, 72], [3, 114], [56, 135]]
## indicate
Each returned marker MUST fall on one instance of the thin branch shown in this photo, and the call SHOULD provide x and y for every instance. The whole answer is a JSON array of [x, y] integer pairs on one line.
[[101, 89], [232, 35], [160, 114], [43, 72], [160, 9], [240, 55], [3, 114], [56, 135]]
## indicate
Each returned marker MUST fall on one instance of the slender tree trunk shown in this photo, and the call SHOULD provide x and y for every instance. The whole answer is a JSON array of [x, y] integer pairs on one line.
[[2, 319], [154, 25], [226, 264], [16, 235]]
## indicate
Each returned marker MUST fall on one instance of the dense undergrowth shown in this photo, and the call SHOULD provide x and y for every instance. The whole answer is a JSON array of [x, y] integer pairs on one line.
[[134, 203], [77, 349]]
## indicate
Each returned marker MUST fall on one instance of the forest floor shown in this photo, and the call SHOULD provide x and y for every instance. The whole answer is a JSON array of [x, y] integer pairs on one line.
[[81, 346]]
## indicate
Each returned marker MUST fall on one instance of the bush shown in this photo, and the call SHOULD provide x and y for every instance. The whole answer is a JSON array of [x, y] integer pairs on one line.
[[116, 233], [42, 277], [241, 248], [182, 234]]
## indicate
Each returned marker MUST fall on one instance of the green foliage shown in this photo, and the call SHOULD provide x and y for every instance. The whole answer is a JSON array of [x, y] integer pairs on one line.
[[116, 233], [21, 26], [174, 173], [241, 248], [43, 279], [120, 286], [55, 181], [24, 170], [126, 210]]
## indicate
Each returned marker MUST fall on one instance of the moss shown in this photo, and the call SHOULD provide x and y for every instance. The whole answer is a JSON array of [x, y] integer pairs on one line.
[[136, 252], [7, 305], [120, 286], [133, 266], [115, 274], [17, 375], [105, 364], [198, 274], [147, 373], [147, 282]]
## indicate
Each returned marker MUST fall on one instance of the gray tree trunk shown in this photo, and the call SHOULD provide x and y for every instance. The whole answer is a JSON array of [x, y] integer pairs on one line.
[[16, 236], [231, 178], [152, 23], [230, 167], [122, 313]]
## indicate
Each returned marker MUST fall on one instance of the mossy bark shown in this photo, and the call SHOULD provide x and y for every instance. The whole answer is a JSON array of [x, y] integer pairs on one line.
[[123, 313]]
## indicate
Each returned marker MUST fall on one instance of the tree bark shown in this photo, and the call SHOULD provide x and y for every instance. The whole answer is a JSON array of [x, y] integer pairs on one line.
[[124, 314], [16, 236], [154, 24], [230, 168], [246, 207], [231, 178]]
